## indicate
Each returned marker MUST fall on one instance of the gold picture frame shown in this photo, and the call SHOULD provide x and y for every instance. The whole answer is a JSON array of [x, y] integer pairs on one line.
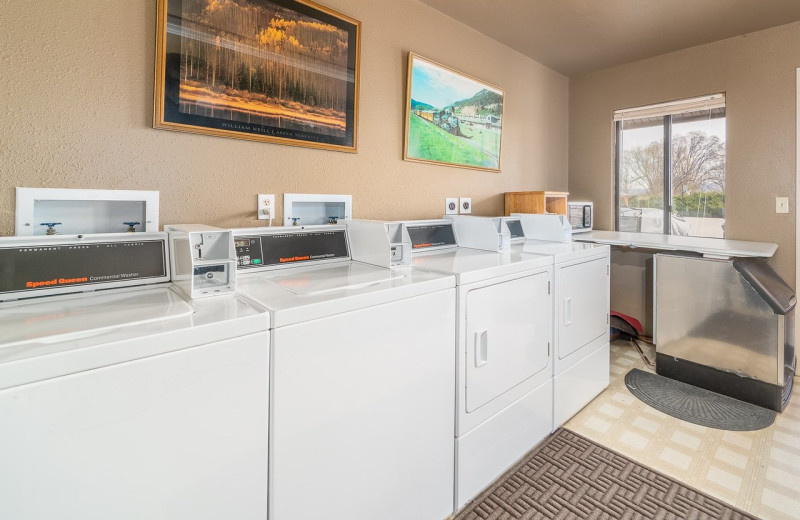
[[280, 71], [452, 119]]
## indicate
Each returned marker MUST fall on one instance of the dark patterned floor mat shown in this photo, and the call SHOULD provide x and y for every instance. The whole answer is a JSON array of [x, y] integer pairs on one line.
[[696, 405], [571, 477]]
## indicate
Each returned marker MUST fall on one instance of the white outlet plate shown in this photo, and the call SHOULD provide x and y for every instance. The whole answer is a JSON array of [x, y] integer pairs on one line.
[[781, 204], [266, 206], [465, 205], [451, 206]]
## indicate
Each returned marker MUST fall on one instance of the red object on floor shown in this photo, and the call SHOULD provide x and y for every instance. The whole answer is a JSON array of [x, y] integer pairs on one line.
[[631, 320]]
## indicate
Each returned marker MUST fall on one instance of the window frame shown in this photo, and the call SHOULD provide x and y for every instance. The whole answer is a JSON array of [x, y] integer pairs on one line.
[[667, 125]]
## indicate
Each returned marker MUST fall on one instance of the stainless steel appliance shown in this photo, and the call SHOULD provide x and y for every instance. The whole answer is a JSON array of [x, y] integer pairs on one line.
[[726, 326], [581, 215]]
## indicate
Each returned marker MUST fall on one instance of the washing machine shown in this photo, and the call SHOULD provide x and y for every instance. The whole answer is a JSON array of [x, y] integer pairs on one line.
[[504, 371], [580, 309], [119, 397], [362, 378]]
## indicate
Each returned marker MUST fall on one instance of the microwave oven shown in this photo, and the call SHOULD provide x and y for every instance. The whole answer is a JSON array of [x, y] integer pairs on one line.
[[580, 216]]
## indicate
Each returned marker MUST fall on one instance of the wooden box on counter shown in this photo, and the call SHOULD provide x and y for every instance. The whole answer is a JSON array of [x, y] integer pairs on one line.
[[536, 202]]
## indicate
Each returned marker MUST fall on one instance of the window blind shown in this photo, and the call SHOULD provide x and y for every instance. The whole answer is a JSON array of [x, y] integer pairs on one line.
[[710, 102]]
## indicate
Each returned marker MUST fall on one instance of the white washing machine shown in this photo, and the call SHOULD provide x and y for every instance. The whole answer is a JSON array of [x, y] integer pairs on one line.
[[118, 397], [504, 394], [362, 382], [581, 310]]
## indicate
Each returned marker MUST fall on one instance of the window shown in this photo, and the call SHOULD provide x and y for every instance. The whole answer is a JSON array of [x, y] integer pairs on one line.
[[670, 168]]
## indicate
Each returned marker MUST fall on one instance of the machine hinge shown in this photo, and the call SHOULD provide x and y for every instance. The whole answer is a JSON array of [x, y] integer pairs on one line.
[[548, 349], [608, 270], [548, 287], [607, 322]]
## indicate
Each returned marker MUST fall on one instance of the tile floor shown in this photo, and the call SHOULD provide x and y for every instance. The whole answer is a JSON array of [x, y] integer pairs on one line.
[[758, 472]]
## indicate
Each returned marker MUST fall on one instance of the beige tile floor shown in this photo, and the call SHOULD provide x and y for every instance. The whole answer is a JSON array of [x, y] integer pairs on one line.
[[758, 472]]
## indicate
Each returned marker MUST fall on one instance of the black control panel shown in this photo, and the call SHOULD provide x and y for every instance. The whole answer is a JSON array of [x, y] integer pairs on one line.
[[31, 268], [431, 235], [290, 248], [515, 227]]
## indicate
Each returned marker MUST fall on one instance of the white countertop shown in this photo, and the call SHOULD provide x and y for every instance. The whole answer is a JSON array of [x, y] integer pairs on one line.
[[709, 247]]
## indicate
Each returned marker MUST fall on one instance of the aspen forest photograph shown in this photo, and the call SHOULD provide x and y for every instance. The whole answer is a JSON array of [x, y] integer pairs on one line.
[[266, 70]]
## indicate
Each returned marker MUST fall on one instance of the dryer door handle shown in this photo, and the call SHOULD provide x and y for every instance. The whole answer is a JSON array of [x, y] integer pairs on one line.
[[568, 311], [481, 347]]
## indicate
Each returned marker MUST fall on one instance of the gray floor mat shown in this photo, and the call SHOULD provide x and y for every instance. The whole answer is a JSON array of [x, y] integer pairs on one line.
[[696, 405]]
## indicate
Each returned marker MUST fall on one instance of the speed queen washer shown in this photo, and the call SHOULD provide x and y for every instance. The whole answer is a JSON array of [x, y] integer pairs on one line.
[[118, 397], [361, 412], [504, 371]]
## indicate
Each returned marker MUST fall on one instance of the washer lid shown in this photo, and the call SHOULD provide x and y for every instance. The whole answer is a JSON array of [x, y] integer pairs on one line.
[[472, 265], [42, 338], [57, 319], [311, 292]]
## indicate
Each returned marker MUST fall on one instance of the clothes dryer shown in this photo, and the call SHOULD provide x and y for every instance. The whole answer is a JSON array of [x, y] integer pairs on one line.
[[361, 414], [580, 312], [504, 368], [119, 398]]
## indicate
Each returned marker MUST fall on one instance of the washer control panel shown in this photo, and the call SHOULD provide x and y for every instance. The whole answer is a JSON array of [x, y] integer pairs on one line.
[[289, 247]]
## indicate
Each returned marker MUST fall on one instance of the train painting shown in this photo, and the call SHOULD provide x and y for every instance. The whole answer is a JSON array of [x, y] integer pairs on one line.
[[452, 119], [444, 119]]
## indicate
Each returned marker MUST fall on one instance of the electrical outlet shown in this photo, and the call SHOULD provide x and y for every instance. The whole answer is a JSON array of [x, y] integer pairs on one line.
[[266, 206], [451, 206], [465, 205], [781, 204]]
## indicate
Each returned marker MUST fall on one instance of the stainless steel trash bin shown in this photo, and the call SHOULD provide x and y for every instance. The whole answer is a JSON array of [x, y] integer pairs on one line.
[[726, 326]]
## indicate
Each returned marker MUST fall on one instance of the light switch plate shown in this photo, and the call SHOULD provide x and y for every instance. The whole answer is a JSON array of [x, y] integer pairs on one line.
[[451, 206], [465, 205], [781, 204]]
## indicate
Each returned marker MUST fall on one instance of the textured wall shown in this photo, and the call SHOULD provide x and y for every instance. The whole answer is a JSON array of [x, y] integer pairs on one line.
[[757, 72], [77, 91]]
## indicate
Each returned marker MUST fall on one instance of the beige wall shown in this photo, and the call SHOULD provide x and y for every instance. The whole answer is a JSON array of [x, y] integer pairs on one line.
[[77, 91], [757, 72]]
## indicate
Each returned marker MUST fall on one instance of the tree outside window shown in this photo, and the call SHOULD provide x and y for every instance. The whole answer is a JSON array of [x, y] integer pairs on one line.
[[681, 154]]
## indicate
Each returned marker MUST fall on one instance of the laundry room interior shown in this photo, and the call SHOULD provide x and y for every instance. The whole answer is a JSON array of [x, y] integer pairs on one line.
[[407, 260]]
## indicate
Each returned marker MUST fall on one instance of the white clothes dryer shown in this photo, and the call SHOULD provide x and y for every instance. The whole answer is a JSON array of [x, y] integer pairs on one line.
[[361, 413], [581, 315], [118, 397], [504, 368]]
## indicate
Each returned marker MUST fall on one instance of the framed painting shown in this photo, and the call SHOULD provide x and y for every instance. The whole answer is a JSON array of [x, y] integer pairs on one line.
[[283, 71], [452, 118]]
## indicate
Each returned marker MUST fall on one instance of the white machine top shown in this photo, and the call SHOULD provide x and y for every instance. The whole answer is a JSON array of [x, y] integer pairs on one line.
[[52, 336], [562, 251], [709, 247], [473, 265], [303, 293], [54, 319]]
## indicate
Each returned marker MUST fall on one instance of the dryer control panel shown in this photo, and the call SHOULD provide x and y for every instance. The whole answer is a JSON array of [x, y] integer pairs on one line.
[[485, 233], [431, 236]]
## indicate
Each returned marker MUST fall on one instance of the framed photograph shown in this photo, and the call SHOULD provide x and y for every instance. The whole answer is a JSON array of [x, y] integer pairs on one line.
[[452, 118], [283, 71]]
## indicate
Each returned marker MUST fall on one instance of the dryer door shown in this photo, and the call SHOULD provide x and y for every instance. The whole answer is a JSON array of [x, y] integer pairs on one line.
[[506, 336], [581, 304]]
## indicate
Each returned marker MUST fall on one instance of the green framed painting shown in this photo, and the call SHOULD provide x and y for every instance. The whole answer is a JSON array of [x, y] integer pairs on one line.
[[451, 118]]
